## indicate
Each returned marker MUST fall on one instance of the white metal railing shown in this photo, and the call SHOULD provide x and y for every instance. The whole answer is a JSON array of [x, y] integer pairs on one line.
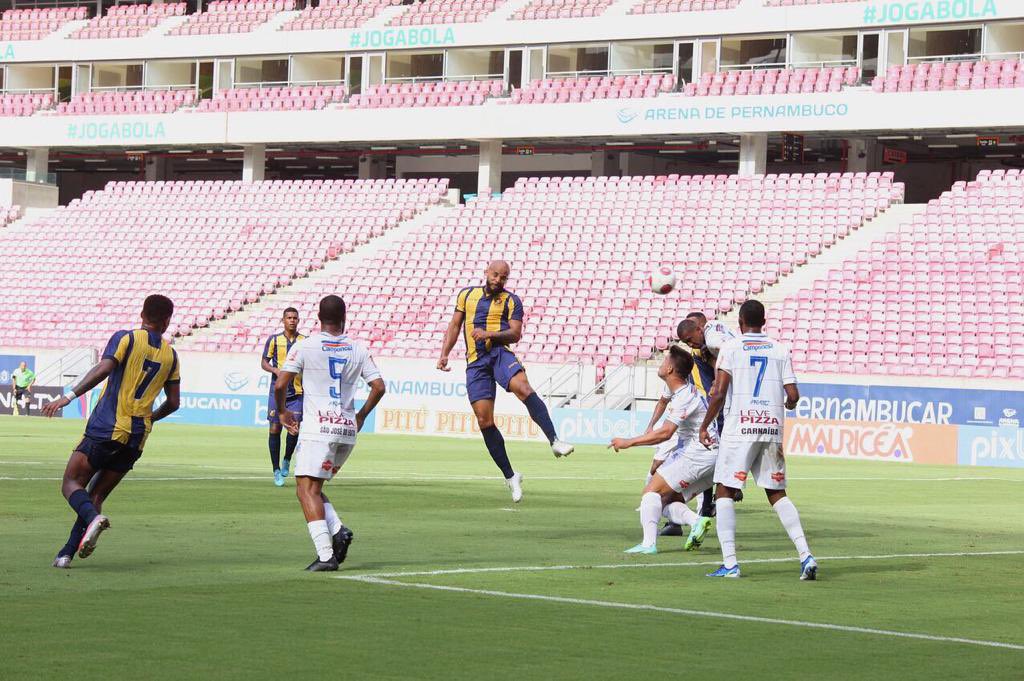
[[615, 391], [562, 386], [287, 83], [944, 58], [30, 90], [607, 72], [823, 64], [68, 368], [767, 66], [140, 88], [993, 56]]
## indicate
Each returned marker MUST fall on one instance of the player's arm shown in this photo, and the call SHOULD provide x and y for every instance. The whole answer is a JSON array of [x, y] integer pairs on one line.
[[377, 390], [284, 379], [653, 437], [659, 410], [265, 360], [792, 395], [92, 378], [173, 392], [509, 336], [723, 379], [451, 336]]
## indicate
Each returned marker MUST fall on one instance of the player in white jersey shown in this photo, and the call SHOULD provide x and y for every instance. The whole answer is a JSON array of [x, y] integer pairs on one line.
[[688, 467], [756, 385], [330, 364]]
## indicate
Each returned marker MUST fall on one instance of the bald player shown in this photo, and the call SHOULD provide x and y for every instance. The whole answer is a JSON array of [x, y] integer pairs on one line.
[[490, 320]]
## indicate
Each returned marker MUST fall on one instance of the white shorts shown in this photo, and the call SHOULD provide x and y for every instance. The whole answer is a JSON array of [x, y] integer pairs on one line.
[[320, 459], [764, 459], [689, 472], [662, 451]]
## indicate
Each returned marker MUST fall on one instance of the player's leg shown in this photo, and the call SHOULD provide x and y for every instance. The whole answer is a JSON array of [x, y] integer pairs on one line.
[[481, 389], [769, 470], [67, 552], [295, 406], [661, 452], [734, 459], [512, 377], [274, 438], [104, 484], [309, 491]]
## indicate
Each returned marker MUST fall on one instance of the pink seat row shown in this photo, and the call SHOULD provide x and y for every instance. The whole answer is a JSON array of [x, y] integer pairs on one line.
[[334, 14], [671, 6], [562, 90], [138, 102], [128, 21], [425, 12], [294, 98], [964, 75], [35, 24], [774, 81], [24, 104], [232, 16], [440, 93], [561, 9]]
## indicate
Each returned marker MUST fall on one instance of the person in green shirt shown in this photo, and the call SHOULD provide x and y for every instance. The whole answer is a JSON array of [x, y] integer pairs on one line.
[[21, 385]]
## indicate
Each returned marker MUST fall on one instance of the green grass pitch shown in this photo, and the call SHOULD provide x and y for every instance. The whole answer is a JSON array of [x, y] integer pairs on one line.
[[200, 576]]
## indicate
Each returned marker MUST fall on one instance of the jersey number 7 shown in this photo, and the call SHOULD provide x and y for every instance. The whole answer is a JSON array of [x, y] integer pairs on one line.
[[761, 362], [149, 371]]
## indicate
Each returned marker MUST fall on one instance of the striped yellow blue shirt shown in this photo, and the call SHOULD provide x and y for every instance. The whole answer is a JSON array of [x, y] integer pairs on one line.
[[145, 364], [276, 352], [490, 313]]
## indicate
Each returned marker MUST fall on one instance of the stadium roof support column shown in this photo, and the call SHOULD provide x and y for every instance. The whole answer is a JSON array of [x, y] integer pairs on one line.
[[753, 153], [254, 162], [489, 175], [603, 164], [372, 167], [37, 164], [860, 155]]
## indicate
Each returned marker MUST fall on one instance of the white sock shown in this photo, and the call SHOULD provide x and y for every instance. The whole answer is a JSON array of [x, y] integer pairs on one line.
[[725, 526], [333, 521], [791, 521], [681, 514], [321, 539], [650, 513]]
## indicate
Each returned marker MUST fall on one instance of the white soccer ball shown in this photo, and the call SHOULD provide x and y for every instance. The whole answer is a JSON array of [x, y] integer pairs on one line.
[[663, 280]]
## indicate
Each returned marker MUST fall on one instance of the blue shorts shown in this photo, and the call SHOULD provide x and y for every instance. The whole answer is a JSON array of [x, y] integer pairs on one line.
[[498, 367], [108, 455], [294, 406]]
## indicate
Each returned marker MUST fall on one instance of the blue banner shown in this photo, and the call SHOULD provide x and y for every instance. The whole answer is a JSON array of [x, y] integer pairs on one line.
[[1003, 447], [898, 404]]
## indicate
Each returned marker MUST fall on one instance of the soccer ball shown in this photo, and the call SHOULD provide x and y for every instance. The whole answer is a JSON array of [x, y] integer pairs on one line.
[[662, 280]]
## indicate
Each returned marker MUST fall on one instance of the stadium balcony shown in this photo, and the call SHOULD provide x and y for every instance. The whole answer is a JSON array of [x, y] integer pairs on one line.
[[287, 98], [438, 93], [25, 104], [672, 6], [952, 75], [36, 24], [426, 12], [128, 21], [232, 16], [211, 246], [588, 88], [561, 9], [751, 231], [333, 14], [774, 81], [929, 300], [127, 102]]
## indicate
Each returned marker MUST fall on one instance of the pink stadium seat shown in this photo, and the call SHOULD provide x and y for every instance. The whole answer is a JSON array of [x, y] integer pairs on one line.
[[424, 12], [420, 94], [333, 14], [561, 9], [293, 98], [128, 21], [127, 102], [36, 24], [211, 246], [673, 6], [232, 16], [963, 75]]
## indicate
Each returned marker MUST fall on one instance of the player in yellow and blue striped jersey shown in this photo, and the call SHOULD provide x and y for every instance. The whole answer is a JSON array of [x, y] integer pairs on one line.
[[275, 351], [137, 365]]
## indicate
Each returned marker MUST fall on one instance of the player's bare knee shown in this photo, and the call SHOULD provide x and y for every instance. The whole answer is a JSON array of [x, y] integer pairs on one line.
[[484, 421]]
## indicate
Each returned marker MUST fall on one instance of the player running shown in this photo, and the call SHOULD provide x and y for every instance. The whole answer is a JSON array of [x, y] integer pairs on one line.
[[757, 385], [491, 319], [274, 353], [137, 365], [688, 466], [330, 363]]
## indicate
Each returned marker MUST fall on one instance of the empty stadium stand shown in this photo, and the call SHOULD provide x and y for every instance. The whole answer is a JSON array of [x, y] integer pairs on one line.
[[670, 6], [562, 90], [210, 246], [426, 12], [951, 75], [128, 21], [331, 14], [133, 102], [774, 81], [727, 236], [293, 98], [561, 9], [937, 298], [9, 215], [440, 93], [36, 24], [232, 16], [24, 104]]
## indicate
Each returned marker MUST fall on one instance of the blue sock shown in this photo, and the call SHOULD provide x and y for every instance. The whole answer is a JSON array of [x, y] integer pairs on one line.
[[496, 447], [82, 505], [539, 413], [275, 451], [289, 446], [77, 532]]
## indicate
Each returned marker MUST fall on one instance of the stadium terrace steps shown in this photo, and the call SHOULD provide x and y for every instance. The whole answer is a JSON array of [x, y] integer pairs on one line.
[[939, 296], [303, 293], [212, 246], [886, 222], [751, 231]]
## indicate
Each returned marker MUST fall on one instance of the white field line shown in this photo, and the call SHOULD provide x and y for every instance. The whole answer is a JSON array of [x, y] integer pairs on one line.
[[631, 566], [695, 613]]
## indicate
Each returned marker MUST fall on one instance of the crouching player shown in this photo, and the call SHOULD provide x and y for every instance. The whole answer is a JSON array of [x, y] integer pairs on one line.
[[688, 468], [330, 364]]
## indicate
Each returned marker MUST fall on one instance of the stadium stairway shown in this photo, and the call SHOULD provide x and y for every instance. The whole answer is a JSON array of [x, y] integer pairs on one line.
[[845, 248], [284, 296]]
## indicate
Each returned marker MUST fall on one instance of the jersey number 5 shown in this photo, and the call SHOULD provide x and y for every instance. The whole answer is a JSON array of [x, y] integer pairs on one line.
[[149, 372], [336, 366], [761, 362]]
